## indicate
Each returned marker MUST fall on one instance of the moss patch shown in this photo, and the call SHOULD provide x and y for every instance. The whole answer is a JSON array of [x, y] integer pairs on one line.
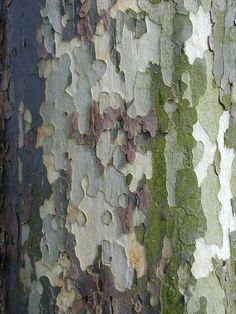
[[185, 222]]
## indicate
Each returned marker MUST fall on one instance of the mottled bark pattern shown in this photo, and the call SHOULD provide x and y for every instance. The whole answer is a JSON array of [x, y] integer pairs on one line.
[[120, 186]]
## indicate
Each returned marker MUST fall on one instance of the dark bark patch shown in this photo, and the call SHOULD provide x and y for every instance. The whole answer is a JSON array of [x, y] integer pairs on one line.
[[126, 218]]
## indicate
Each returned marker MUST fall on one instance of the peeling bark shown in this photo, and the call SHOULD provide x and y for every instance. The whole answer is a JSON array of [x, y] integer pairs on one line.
[[117, 156]]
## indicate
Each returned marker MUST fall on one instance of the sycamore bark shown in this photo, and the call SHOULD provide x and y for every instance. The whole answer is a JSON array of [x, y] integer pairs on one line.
[[117, 157]]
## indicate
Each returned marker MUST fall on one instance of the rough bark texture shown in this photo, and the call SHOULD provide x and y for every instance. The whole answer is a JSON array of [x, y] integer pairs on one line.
[[119, 181]]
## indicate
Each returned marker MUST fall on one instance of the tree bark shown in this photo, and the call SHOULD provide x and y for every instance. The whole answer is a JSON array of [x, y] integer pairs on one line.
[[117, 156]]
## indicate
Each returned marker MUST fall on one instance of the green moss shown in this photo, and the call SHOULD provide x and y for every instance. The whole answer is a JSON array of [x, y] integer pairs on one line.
[[171, 299], [181, 228], [160, 93], [185, 222], [187, 192], [159, 206], [184, 118], [129, 178]]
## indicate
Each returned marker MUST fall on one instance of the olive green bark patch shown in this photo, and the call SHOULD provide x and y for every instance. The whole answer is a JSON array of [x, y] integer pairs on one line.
[[211, 289], [230, 136], [198, 80], [209, 108], [211, 207]]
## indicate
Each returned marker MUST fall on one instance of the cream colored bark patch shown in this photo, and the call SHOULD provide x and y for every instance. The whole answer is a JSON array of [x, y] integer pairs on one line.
[[49, 162], [209, 151], [136, 256], [197, 44], [43, 132], [204, 252]]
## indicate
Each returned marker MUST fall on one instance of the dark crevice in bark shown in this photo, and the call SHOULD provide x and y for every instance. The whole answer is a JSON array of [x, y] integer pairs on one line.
[[5, 113], [20, 86]]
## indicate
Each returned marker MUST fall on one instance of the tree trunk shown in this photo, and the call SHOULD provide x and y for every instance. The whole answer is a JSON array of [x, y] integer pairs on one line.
[[117, 156]]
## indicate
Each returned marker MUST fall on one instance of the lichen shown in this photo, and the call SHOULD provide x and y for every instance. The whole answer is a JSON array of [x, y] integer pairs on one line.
[[186, 221]]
